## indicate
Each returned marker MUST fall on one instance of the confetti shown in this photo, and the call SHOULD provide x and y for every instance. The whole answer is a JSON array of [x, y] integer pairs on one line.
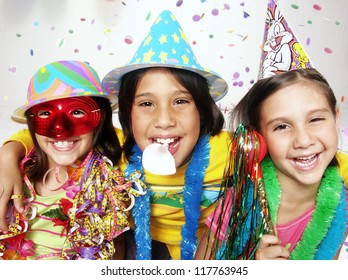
[[214, 12], [308, 41], [179, 3], [294, 6], [82, 19], [226, 6], [76, 50], [316, 7], [60, 43], [346, 131], [337, 23], [342, 99], [53, 28], [148, 16], [12, 69], [36, 23], [236, 75], [18, 35], [309, 21], [99, 47], [245, 14], [31, 52], [71, 31], [196, 18], [328, 50], [128, 40], [247, 69]]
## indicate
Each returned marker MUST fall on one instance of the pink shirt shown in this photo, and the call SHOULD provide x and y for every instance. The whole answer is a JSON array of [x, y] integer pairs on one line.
[[291, 232], [288, 233]]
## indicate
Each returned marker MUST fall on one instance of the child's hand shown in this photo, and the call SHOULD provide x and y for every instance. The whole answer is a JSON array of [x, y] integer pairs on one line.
[[270, 249], [10, 182]]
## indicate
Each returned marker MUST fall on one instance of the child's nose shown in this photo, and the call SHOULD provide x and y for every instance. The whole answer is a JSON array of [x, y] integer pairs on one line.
[[164, 118], [61, 127], [303, 138]]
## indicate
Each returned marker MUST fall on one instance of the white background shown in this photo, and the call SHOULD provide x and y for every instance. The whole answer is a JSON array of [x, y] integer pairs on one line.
[[36, 32]]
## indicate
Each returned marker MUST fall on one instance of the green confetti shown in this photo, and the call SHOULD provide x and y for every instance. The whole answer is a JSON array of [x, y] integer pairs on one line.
[[309, 21], [337, 23], [294, 6], [148, 16]]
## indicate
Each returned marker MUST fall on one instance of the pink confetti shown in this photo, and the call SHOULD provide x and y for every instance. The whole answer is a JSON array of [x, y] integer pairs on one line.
[[196, 18], [247, 69], [328, 50], [76, 50], [179, 3], [214, 12], [316, 7], [128, 40], [308, 41], [99, 47], [194, 42], [226, 6], [346, 131], [82, 19], [93, 21], [12, 69], [240, 83], [236, 75]]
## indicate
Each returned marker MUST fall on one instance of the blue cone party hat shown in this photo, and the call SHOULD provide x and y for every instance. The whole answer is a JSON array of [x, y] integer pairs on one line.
[[165, 45], [281, 50]]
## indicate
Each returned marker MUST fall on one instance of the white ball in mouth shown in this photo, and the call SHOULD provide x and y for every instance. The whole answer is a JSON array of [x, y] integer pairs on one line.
[[158, 160]]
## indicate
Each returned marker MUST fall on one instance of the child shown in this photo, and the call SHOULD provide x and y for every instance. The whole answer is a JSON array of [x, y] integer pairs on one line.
[[165, 96], [76, 202], [296, 114]]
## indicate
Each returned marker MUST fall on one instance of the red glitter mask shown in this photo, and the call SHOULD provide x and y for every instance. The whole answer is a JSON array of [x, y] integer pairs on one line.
[[64, 118]]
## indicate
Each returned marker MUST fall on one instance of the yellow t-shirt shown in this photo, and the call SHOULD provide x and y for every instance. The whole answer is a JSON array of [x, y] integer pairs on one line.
[[167, 215]]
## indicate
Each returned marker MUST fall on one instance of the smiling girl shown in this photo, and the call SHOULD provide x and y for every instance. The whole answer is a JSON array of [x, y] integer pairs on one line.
[[75, 201], [296, 113]]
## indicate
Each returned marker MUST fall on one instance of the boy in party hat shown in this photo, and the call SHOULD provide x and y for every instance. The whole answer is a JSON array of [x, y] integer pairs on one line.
[[75, 201]]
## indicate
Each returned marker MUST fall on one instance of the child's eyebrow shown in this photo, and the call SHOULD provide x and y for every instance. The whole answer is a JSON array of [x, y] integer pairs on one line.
[[311, 112]]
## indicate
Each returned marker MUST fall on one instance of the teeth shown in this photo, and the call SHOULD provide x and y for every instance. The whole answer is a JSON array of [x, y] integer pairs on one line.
[[306, 158], [306, 161], [165, 141], [62, 144]]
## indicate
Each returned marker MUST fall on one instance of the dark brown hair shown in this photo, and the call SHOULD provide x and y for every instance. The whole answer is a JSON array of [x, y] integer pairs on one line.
[[212, 119], [248, 109]]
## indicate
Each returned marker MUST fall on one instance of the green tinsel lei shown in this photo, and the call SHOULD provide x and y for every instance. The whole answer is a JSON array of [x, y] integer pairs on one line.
[[327, 200]]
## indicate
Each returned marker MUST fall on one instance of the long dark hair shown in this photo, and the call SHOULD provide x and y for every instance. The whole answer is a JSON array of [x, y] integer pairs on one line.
[[105, 141], [248, 110], [212, 119]]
